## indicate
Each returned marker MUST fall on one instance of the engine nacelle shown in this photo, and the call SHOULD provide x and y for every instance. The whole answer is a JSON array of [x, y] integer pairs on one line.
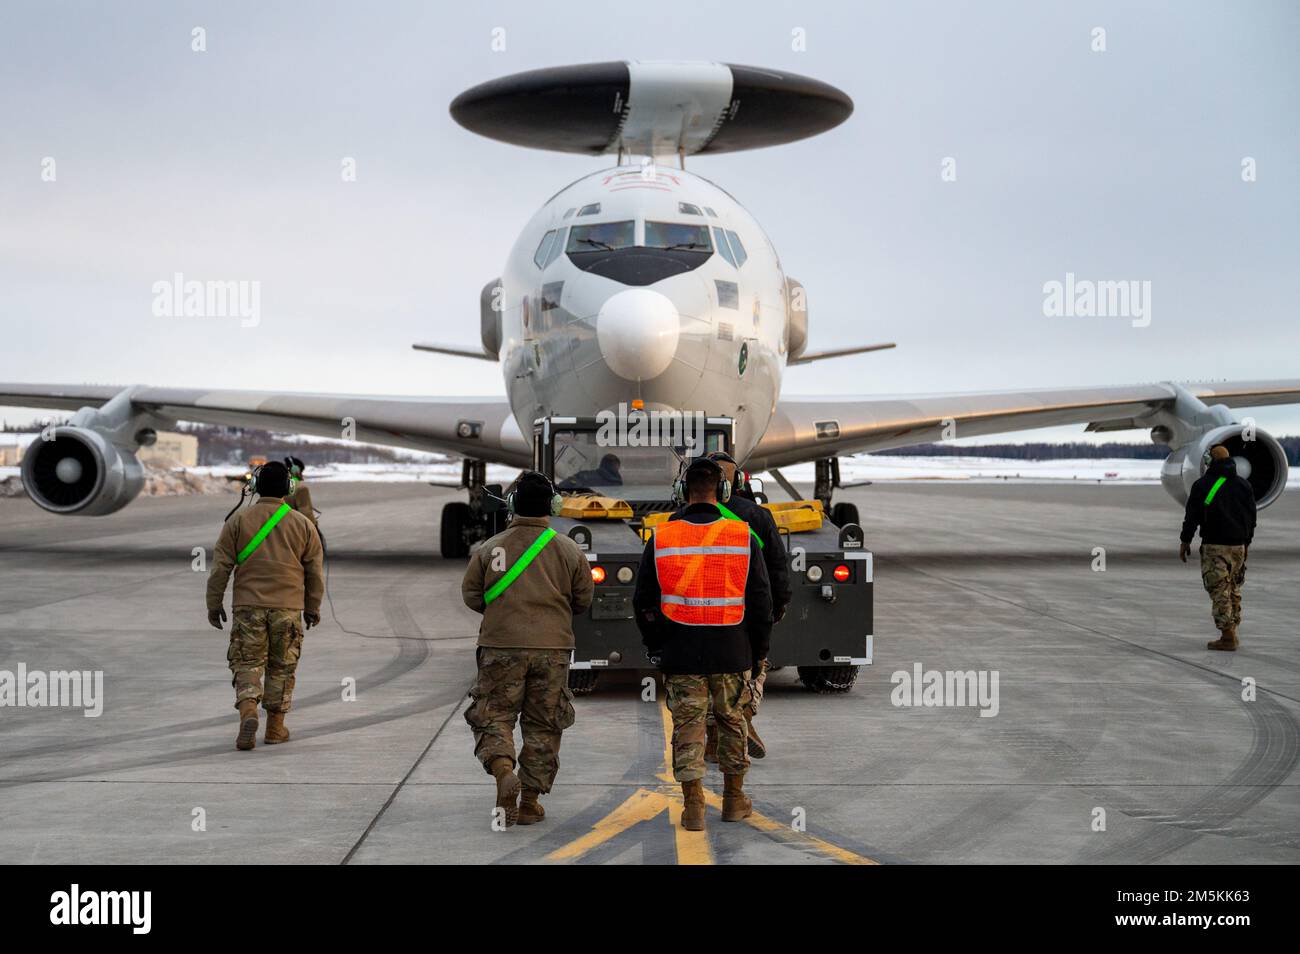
[[1261, 460], [81, 472]]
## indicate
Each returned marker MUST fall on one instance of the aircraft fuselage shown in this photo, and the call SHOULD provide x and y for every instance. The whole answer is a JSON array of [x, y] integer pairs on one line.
[[650, 283]]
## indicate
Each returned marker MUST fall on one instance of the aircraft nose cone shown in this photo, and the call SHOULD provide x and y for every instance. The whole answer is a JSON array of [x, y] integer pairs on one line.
[[637, 330]]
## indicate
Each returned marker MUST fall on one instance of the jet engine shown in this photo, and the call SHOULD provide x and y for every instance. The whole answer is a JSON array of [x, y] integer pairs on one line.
[[80, 471], [1258, 456]]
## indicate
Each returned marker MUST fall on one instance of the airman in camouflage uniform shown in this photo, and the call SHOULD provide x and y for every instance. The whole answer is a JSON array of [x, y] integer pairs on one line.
[[524, 646], [1221, 503], [705, 661], [278, 588]]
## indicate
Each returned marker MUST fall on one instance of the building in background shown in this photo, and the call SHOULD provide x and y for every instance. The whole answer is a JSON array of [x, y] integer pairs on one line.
[[172, 450], [11, 455]]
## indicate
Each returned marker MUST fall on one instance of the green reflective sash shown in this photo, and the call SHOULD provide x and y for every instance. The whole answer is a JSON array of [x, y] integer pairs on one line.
[[1214, 490], [261, 535], [730, 515], [521, 564]]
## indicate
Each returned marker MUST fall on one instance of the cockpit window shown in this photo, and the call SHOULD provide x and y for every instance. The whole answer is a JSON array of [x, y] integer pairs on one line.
[[556, 248], [593, 209], [723, 248], [601, 237], [737, 249], [543, 250], [686, 208], [678, 236]]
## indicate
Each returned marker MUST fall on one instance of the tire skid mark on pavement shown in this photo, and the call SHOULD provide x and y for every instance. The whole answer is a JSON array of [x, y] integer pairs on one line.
[[1272, 758]]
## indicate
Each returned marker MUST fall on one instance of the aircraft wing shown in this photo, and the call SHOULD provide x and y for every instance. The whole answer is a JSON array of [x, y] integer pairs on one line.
[[477, 427], [808, 428]]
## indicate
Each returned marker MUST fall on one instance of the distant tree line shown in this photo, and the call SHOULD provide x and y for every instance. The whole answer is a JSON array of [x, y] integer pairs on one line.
[[1070, 450]]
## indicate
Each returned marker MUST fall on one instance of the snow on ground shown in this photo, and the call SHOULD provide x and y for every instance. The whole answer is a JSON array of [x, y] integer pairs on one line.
[[427, 472], [986, 469]]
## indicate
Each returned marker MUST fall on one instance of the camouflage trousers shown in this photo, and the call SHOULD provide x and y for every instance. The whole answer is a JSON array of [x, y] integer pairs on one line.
[[689, 698], [265, 645], [531, 685], [755, 696], [1223, 571]]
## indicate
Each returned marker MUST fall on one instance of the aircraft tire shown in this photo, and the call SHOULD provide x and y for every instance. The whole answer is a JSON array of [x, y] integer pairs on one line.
[[456, 516]]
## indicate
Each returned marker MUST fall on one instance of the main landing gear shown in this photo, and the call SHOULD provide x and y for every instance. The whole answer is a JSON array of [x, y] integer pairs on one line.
[[466, 523], [826, 480]]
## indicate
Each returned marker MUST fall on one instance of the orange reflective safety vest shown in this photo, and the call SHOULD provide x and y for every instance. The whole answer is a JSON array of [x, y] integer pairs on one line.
[[702, 569]]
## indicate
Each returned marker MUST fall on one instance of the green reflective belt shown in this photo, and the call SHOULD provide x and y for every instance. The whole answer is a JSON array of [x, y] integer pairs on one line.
[[521, 564], [726, 512], [1214, 490], [261, 535]]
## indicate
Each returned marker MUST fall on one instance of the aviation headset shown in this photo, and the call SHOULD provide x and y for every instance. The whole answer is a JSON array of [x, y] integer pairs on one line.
[[679, 482], [557, 501], [291, 464], [742, 477]]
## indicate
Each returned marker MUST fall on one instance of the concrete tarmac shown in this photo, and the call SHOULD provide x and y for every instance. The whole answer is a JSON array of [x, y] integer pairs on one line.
[[1109, 708]]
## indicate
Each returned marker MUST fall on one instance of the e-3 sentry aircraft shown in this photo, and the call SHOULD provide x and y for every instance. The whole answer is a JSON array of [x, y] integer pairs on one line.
[[640, 282]]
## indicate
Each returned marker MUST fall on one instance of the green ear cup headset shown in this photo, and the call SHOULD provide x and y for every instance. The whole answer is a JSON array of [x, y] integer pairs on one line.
[[250, 486], [679, 483], [557, 501]]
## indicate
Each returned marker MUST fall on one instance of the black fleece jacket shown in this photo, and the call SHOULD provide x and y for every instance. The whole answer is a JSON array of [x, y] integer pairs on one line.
[[704, 650], [1229, 519]]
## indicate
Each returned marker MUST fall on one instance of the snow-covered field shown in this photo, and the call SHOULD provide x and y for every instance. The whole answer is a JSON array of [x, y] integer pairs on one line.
[[987, 469], [883, 468], [430, 472]]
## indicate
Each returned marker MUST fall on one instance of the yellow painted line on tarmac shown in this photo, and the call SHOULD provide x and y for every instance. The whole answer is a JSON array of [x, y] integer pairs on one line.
[[692, 847], [643, 805], [795, 839]]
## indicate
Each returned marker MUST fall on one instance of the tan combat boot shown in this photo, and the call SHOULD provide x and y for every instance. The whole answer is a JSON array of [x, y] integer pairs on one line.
[[530, 810], [275, 730], [693, 805], [711, 742], [247, 737], [757, 749], [736, 805], [1226, 643], [507, 788]]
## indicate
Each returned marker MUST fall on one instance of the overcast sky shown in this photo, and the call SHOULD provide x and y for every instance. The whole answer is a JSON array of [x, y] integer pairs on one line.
[[225, 165]]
